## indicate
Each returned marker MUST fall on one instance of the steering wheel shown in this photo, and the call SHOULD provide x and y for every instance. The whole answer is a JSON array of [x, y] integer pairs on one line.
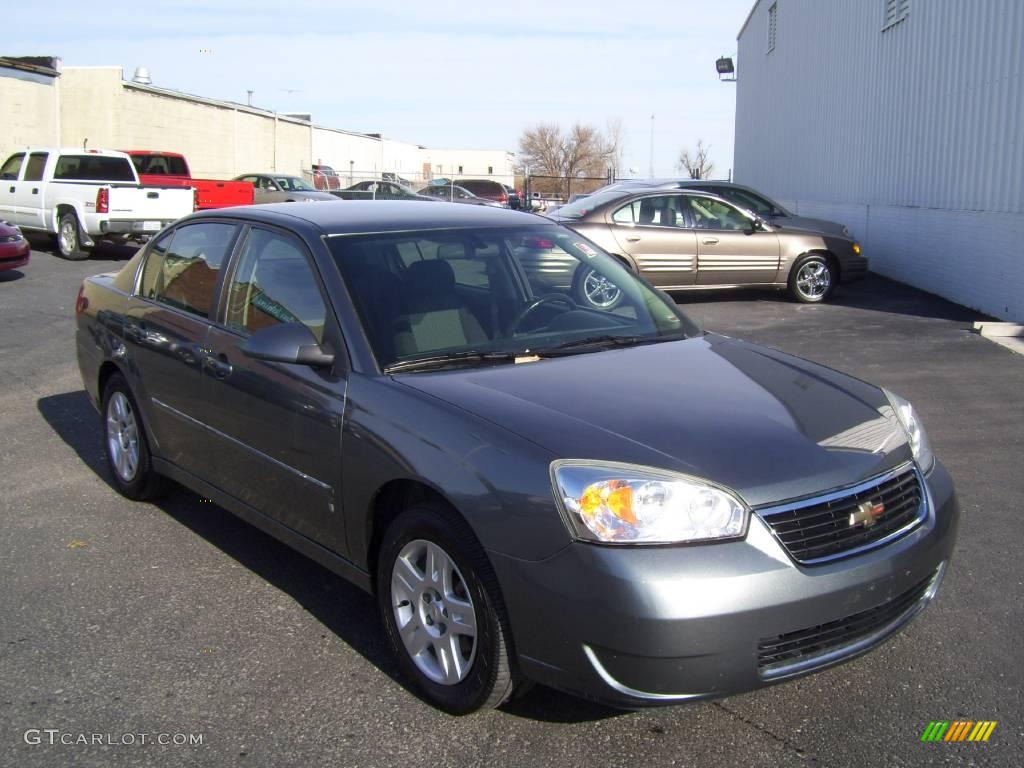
[[540, 301]]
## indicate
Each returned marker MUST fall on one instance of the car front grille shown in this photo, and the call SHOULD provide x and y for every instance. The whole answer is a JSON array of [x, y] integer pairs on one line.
[[839, 524], [813, 647]]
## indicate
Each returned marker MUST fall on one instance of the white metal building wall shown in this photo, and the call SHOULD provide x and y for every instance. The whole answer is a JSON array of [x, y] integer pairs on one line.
[[912, 135]]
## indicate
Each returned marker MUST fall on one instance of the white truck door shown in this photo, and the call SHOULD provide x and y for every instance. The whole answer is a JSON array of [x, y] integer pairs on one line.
[[9, 173], [29, 199]]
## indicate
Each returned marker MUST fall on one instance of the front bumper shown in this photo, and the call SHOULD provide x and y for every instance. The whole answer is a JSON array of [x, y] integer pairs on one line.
[[642, 626], [14, 255]]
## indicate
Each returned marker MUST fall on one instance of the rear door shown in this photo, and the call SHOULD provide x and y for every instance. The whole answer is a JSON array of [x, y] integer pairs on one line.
[[729, 250], [29, 198], [277, 426], [165, 332], [651, 230]]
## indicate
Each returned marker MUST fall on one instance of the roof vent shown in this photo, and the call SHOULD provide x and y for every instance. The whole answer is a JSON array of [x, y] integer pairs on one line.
[[142, 76]]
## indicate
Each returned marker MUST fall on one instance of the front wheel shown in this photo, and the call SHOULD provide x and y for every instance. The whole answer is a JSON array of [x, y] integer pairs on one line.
[[69, 240], [442, 611], [812, 279]]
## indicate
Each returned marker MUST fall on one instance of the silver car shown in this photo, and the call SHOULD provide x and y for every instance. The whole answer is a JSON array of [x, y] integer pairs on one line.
[[687, 239], [282, 188]]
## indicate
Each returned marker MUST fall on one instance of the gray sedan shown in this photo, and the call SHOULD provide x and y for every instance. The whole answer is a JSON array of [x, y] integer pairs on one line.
[[281, 188], [608, 501]]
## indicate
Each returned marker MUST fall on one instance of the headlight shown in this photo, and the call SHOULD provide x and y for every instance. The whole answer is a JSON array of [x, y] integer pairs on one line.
[[916, 436], [856, 248], [625, 504]]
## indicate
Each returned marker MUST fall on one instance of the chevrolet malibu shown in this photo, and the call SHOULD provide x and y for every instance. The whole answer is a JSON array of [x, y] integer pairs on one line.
[[608, 501]]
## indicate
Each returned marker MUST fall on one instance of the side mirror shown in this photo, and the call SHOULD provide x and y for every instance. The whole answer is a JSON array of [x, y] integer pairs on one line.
[[287, 343], [758, 224]]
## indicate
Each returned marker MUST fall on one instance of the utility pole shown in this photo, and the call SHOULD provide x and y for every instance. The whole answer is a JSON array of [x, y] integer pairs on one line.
[[652, 147]]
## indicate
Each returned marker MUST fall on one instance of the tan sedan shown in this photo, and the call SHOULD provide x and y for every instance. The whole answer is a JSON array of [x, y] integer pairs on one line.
[[692, 240]]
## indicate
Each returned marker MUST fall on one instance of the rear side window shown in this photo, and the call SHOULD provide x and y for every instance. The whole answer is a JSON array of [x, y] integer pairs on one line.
[[12, 166], [160, 165], [93, 168], [182, 268], [274, 284], [35, 167]]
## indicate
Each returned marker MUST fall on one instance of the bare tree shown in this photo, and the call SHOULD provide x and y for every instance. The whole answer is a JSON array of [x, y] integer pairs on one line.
[[696, 165], [582, 151]]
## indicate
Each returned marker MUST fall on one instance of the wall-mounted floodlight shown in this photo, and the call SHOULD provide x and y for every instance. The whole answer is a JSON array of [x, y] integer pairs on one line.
[[726, 69]]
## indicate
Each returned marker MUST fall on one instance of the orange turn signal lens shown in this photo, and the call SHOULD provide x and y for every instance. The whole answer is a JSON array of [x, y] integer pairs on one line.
[[856, 248]]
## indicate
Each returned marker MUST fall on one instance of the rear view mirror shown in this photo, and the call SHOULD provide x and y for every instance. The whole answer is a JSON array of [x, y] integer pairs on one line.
[[287, 343]]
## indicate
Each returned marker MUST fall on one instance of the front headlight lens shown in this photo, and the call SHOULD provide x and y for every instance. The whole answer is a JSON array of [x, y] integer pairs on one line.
[[624, 504], [916, 436]]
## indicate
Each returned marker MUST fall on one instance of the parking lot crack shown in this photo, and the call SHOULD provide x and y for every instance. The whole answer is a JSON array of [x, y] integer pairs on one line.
[[782, 740]]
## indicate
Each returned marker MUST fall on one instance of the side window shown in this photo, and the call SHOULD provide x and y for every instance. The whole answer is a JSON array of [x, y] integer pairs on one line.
[[708, 213], [154, 266], [274, 284], [627, 214], [36, 164], [12, 166], [188, 266]]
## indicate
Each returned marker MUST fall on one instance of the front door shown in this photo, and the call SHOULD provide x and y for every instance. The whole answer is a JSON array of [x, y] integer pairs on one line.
[[730, 251], [165, 330], [28, 200], [651, 231], [277, 425]]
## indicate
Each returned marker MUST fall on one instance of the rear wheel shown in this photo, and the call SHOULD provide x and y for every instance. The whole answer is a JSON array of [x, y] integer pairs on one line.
[[443, 613], [127, 445], [69, 242], [812, 279]]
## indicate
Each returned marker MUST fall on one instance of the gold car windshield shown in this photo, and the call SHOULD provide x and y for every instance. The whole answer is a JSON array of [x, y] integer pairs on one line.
[[516, 291]]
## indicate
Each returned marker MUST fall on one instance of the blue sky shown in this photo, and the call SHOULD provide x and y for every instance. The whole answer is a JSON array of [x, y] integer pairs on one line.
[[444, 73]]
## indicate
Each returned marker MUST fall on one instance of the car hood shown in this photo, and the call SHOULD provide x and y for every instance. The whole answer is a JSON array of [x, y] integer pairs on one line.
[[808, 224], [766, 424]]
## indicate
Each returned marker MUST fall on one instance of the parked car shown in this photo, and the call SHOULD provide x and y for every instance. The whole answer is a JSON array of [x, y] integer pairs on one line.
[[610, 502], [682, 239], [455, 194], [281, 188], [487, 189], [744, 197], [14, 248], [325, 178], [171, 169], [379, 190], [80, 196]]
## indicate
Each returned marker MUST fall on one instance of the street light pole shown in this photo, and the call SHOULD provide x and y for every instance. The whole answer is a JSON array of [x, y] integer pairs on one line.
[[652, 147]]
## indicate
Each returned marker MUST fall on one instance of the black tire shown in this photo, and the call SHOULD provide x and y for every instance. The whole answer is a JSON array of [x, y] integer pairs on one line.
[[606, 296], [143, 482], [69, 238], [812, 279], [489, 678]]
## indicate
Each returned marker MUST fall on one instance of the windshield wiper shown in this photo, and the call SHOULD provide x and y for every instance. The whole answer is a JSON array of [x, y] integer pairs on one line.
[[451, 360], [602, 342]]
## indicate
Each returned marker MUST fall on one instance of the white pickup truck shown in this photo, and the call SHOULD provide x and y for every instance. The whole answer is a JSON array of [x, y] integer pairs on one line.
[[84, 195]]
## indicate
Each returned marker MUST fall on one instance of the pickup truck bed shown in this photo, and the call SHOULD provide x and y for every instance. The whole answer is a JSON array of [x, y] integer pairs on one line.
[[171, 169]]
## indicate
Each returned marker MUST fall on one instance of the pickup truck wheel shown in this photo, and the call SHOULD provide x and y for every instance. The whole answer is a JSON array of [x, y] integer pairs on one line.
[[443, 612], [69, 244], [127, 445]]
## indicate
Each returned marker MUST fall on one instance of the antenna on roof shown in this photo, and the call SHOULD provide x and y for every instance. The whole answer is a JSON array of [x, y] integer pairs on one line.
[[85, 143]]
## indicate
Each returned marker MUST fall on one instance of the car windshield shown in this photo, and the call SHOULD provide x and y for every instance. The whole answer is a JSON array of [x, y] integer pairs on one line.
[[583, 206], [293, 183], [464, 296], [757, 203]]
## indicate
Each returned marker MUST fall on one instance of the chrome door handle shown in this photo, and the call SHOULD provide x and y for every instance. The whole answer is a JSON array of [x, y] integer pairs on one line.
[[632, 239], [218, 366], [710, 240]]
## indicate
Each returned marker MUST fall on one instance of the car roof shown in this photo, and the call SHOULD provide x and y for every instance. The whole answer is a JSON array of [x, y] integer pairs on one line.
[[370, 216]]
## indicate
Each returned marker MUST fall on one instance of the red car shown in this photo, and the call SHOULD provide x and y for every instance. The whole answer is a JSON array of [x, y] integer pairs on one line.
[[14, 250]]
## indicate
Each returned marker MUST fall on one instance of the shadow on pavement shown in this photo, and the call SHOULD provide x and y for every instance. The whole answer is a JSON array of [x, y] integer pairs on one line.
[[341, 607], [874, 293], [11, 275]]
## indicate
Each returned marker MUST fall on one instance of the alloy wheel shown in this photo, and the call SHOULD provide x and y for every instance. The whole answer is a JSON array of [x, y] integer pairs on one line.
[[122, 437], [600, 291], [814, 280]]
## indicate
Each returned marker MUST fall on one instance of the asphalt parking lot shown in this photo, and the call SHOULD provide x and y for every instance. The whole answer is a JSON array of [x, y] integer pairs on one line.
[[119, 618]]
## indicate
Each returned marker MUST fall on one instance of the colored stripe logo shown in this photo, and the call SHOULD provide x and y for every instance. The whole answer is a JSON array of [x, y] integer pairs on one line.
[[959, 730]]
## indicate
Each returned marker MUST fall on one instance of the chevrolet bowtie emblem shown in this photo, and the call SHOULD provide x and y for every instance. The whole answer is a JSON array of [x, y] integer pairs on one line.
[[867, 514]]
